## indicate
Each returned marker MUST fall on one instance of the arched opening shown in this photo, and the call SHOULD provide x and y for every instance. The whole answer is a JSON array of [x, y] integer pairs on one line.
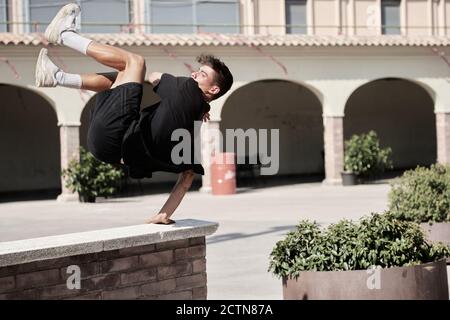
[[401, 112], [293, 109], [160, 181], [29, 139]]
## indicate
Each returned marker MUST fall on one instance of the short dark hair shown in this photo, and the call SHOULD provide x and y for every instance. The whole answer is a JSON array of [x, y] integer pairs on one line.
[[224, 78]]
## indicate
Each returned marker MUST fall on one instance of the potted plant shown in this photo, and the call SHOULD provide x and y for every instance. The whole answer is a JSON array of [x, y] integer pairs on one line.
[[91, 178], [422, 195], [376, 258], [364, 158]]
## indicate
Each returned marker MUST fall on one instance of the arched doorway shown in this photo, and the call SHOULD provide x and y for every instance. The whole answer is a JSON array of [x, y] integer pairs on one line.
[[401, 112], [29, 140], [293, 109]]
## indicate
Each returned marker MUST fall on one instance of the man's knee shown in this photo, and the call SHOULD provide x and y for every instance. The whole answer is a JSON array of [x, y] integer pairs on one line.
[[135, 61]]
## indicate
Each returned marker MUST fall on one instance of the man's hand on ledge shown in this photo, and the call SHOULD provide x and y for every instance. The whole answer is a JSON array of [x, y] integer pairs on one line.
[[160, 218]]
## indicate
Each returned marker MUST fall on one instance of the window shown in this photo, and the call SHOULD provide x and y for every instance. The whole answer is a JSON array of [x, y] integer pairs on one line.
[[296, 16], [96, 16], [113, 13], [41, 12], [191, 16], [166, 14], [218, 12], [3, 16], [390, 16]]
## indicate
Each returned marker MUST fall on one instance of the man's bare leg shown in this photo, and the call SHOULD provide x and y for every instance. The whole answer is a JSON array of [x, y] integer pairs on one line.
[[48, 74], [110, 56], [179, 190], [131, 66], [98, 81]]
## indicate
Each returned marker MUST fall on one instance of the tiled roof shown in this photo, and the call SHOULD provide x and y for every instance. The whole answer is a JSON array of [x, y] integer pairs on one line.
[[210, 39]]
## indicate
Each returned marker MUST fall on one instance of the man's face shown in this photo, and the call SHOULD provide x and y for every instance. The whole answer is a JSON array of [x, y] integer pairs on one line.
[[205, 79]]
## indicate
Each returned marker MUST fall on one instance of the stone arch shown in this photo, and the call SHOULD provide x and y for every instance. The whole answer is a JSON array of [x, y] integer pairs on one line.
[[30, 142], [291, 107], [401, 111]]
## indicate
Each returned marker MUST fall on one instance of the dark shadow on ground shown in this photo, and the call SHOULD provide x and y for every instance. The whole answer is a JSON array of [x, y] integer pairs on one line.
[[139, 189], [386, 177], [244, 184], [126, 190], [31, 195], [114, 200], [274, 181], [234, 236]]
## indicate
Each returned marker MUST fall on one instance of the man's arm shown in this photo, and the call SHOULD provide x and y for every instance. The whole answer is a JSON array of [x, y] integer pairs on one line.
[[179, 190], [154, 78]]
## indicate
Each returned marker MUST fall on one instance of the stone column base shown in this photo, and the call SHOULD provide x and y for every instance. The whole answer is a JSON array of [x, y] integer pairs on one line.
[[70, 144], [210, 145], [334, 149], [67, 197], [205, 189], [332, 182], [443, 137]]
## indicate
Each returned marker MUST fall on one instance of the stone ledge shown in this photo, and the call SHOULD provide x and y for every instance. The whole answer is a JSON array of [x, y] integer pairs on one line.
[[37, 249]]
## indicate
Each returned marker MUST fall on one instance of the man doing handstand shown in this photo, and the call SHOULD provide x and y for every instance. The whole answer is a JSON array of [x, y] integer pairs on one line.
[[121, 133]]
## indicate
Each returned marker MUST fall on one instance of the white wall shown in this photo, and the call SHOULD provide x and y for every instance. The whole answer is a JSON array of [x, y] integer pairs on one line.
[[417, 17], [324, 17]]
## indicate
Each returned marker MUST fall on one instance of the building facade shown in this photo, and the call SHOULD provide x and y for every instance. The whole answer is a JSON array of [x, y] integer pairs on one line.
[[317, 70]]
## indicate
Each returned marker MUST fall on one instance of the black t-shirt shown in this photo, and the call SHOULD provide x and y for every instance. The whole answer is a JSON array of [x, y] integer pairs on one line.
[[147, 145], [181, 104]]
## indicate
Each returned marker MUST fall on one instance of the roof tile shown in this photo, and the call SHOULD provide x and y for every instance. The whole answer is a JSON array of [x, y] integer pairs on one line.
[[212, 39]]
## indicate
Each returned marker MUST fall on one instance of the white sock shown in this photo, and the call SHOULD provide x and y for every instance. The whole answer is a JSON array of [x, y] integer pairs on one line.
[[68, 80], [74, 41]]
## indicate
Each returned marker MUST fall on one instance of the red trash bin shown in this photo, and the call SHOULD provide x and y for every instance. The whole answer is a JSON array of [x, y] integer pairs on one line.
[[223, 173]]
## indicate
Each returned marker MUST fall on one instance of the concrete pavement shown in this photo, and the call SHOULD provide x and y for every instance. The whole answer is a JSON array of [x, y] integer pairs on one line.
[[250, 223]]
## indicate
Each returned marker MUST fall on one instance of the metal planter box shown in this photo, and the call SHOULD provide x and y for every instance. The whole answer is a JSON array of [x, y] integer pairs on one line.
[[424, 281]]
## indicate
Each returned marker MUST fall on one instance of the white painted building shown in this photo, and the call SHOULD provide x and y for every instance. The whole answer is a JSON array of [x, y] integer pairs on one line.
[[318, 70]]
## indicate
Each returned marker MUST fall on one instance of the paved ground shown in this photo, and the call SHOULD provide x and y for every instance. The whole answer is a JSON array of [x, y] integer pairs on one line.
[[251, 222]]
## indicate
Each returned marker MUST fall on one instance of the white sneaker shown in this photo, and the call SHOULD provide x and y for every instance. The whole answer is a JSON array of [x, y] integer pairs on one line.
[[45, 70], [67, 19]]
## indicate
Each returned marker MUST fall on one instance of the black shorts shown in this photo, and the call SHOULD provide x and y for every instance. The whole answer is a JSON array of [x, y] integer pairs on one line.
[[114, 111]]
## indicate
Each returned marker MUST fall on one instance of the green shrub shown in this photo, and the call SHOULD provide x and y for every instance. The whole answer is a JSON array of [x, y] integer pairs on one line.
[[364, 157], [90, 177], [422, 195], [377, 240]]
